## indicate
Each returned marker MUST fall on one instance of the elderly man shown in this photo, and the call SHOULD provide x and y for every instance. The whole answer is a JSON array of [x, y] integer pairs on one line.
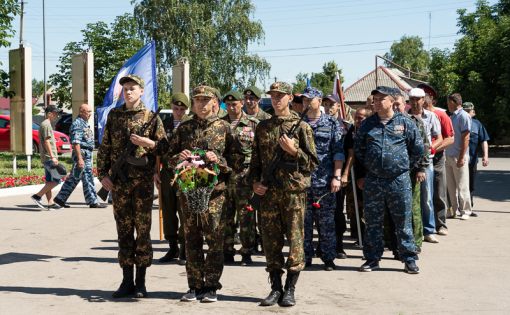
[[477, 138], [433, 134], [388, 144], [457, 159], [82, 139]]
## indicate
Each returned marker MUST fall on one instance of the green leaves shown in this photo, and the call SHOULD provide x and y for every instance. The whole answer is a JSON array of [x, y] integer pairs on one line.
[[409, 53], [213, 34], [321, 80], [112, 46]]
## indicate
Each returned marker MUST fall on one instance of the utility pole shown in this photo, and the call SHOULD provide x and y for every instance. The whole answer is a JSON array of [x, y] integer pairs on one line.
[[21, 23], [44, 54], [430, 26]]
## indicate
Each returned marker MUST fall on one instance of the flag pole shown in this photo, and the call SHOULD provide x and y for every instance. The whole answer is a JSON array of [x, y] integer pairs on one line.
[[356, 206], [340, 96]]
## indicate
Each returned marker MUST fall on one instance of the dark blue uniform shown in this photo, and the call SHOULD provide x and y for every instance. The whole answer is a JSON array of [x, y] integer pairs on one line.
[[387, 152], [81, 134], [329, 145]]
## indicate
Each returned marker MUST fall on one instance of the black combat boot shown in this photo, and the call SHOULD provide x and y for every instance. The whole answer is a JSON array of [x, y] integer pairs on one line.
[[140, 290], [173, 252], [290, 286], [276, 289], [127, 286]]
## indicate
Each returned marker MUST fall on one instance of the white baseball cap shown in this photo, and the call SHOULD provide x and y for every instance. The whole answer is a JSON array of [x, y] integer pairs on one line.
[[416, 92]]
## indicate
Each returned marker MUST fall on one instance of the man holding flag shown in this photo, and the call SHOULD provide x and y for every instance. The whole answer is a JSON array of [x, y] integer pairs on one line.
[[132, 198]]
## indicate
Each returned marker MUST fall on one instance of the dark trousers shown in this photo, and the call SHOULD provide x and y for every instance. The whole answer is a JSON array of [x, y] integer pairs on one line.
[[340, 222], [439, 196], [170, 208], [472, 175]]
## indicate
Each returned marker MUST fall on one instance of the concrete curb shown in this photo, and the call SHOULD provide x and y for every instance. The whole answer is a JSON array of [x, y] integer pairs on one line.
[[32, 189]]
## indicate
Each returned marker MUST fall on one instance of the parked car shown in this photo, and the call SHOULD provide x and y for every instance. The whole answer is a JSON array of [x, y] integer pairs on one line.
[[63, 124], [61, 140]]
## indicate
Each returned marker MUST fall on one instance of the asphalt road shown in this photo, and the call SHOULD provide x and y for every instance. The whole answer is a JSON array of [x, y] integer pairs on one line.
[[64, 262]]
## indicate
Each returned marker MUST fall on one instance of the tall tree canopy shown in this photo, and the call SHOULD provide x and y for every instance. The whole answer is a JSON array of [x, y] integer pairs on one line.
[[322, 80], [112, 46], [409, 53], [8, 10], [213, 34], [479, 65]]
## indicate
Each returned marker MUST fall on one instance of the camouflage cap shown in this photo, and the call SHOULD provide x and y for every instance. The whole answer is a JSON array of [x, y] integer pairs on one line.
[[204, 90], [332, 98], [282, 87], [132, 78], [180, 99], [217, 93], [233, 96], [311, 92], [253, 90], [468, 106]]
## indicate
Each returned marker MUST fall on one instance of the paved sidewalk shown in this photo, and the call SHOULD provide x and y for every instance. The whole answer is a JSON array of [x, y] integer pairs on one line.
[[64, 262]]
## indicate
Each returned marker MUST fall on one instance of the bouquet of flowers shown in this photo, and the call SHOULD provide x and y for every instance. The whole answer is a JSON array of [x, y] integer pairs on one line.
[[196, 180]]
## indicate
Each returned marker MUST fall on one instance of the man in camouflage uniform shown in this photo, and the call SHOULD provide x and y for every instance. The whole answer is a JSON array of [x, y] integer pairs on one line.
[[252, 96], [169, 203], [326, 179], [132, 200], [283, 201], [239, 193], [387, 145], [207, 132]]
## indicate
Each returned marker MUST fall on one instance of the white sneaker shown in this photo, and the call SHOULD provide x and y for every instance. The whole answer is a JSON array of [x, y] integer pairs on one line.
[[464, 217]]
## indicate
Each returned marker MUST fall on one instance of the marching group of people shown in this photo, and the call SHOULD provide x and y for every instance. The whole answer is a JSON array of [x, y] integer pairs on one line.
[[300, 160]]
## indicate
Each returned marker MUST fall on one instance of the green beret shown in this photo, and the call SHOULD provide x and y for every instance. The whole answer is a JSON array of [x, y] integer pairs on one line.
[[253, 90], [132, 78], [233, 96], [204, 90], [468, 106], [282, 87], [180, 99]]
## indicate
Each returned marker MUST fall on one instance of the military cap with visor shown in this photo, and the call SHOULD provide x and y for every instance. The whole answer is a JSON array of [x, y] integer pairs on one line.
[[386, 90], [282, 87], [311, 92], [205, 91], [468, 106], [253, 90], [132, 78], [233, 96], [180, 99]]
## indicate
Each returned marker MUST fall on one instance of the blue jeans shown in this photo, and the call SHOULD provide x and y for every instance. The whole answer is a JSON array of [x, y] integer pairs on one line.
[[427, 202]]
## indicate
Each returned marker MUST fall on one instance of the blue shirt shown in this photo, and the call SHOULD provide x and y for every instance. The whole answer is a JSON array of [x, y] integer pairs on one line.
[[388, 150], [82, 134], [329, 146], [477, 136], [461, 122]]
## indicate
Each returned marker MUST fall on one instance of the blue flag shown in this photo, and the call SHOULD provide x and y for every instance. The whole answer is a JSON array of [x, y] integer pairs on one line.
[[142, 64]]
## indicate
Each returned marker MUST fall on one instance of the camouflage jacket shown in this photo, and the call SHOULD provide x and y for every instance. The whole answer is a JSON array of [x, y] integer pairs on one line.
[[424, 161], [240, 157], [169, 126], [388, 150], [260, 116], [211, 134], [292, 172], [121, 123]]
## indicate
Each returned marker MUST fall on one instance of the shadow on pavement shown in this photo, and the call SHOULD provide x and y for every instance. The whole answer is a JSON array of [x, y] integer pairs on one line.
[[31, 208], [492, 185], [11, 258], [105, 296], [92, 259]]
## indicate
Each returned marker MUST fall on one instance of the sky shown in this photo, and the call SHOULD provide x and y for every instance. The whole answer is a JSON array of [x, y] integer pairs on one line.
[[300, 36]]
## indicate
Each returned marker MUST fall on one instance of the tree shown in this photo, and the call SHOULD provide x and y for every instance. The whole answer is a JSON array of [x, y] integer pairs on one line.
[[213, 34], [112, 46], [409, 53], [8, 10], [37, 87], [442, 74], [321, 80]]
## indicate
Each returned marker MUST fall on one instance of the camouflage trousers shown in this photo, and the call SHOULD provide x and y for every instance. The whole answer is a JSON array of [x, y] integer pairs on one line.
[[238, 199], [204, 273], [76, 175], [170, 207], [393, 194], [351, 209], [324, 218], [389, 228], [282, 215], [132, 209]]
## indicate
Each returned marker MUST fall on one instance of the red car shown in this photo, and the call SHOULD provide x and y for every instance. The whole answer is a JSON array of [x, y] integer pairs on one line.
[[61, 140]]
